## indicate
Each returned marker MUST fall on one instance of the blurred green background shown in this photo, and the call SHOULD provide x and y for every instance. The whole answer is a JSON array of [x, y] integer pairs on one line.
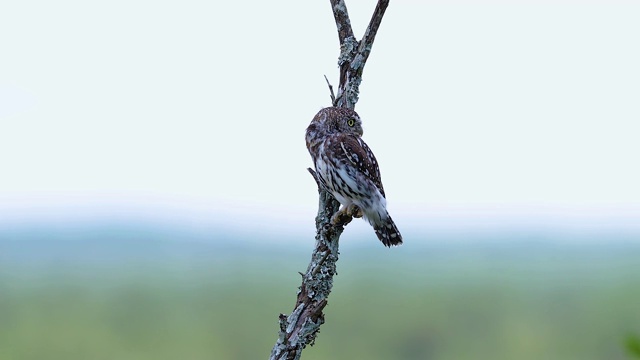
[[122, 291], [120, 118]]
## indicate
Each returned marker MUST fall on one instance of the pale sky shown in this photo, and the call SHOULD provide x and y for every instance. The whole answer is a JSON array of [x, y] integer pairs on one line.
[[475, 110]]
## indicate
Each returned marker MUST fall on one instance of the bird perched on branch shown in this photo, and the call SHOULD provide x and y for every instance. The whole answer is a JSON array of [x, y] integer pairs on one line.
[[347, 168]]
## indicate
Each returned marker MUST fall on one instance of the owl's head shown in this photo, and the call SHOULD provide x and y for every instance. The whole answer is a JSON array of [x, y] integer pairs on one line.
[[331, 121], [334, 120]]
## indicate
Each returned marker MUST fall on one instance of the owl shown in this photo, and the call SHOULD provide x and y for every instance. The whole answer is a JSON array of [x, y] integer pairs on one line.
[[347, 168]]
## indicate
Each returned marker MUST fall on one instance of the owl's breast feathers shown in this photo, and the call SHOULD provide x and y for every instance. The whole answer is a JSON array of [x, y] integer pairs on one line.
[[352, 151]]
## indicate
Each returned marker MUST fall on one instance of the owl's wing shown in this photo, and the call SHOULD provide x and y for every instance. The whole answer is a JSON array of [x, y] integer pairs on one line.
[[355, 151]]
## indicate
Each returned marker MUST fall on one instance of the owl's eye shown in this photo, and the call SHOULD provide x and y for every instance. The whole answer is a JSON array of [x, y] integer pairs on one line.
[[351, 122]]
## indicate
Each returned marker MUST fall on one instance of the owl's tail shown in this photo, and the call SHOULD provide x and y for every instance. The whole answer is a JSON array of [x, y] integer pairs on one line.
[[388, 233]]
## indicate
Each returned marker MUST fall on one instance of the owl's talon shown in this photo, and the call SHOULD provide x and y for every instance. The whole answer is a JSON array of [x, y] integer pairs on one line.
[[354, 211], [336, 218], [342, 217]]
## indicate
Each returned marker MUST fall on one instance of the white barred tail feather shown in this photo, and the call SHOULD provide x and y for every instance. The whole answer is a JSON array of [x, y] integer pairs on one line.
[[388, 233]]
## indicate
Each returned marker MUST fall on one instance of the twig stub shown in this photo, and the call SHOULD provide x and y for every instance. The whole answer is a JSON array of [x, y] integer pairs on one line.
[[333, 96]]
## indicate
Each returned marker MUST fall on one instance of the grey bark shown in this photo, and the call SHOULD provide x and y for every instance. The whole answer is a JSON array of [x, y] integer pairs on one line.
[[301, 327], [353, 53]]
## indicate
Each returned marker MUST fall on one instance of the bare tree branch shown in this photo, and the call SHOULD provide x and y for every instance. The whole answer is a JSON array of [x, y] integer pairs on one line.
[[370, 34], [353, 53], [301, 327], [333, 96], [342, 20]]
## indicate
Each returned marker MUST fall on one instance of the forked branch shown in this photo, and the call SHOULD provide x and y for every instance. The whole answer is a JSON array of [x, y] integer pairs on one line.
[[353, 53]]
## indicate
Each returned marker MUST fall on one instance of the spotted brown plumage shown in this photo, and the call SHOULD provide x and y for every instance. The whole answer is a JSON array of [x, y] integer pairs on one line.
[[347, 168]]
